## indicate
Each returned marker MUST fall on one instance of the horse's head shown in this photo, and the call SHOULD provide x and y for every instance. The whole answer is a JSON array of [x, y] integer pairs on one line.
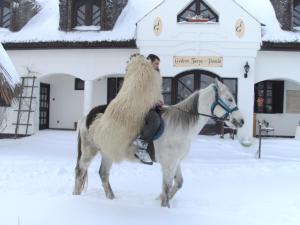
[[224, 106]]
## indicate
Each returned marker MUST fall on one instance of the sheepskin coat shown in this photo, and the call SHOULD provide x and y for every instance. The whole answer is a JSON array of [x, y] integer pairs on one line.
[[123, 119]]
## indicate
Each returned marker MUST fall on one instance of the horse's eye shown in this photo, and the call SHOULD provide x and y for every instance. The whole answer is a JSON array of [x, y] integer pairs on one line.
[[230, 100]]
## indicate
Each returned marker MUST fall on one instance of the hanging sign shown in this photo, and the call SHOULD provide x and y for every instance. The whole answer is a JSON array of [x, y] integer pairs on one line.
[[197, 61]]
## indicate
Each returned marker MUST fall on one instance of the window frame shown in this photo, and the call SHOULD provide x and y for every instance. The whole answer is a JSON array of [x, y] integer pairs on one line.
[[170, 92], [88, 12], [294, 17], [5, 4], [78, 84], [114, 85], [276, 99], [214, 19]]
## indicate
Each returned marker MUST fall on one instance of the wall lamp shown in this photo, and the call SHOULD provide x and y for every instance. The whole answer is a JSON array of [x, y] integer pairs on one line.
[[246, 68]]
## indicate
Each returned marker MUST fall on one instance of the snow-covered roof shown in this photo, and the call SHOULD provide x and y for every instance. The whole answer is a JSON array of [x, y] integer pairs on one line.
[[7, 69], [264, 12], [43, 27]]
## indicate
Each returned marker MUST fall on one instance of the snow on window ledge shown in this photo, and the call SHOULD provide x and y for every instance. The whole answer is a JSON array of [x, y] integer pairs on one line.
[[87, 28], [297, 29]]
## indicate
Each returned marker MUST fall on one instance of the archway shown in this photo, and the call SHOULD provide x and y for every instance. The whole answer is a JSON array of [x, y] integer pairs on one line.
[[61, 99]]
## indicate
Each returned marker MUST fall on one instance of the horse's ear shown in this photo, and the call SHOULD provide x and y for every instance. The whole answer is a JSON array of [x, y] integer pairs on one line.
[[217, 83]]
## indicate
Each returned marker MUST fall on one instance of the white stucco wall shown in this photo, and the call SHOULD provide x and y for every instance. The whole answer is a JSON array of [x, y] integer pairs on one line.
[[86, 64], [277, 65]]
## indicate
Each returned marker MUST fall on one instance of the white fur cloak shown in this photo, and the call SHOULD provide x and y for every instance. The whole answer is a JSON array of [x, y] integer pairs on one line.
[[124, 117]]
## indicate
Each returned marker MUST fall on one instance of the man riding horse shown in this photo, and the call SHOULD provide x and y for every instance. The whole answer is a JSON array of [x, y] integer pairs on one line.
[[152, 123], [134, 107]]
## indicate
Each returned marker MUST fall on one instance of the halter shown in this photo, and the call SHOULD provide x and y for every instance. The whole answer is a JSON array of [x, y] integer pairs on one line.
[[221, 103]]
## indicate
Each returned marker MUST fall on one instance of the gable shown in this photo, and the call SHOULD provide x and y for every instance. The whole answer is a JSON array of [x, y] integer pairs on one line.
[[200, 20]]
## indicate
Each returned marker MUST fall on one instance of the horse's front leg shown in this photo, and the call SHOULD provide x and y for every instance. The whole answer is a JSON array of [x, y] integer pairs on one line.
[[104, 176], [178, 182]]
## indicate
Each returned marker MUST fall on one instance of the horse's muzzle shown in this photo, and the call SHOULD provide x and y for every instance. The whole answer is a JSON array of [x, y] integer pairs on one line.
[[238, 123]]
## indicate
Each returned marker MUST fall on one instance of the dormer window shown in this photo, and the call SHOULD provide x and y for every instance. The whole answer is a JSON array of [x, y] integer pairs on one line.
[[296, 15], [87, 15], [5, 14], [197, 12]]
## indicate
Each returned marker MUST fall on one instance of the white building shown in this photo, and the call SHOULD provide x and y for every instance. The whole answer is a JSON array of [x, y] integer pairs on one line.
[[196, 41]]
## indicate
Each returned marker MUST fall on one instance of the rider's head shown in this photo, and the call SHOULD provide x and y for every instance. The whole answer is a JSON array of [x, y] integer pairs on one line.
[[155, 61]]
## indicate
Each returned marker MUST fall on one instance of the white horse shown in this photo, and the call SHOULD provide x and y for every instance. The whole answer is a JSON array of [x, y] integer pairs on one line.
[[182, 121]]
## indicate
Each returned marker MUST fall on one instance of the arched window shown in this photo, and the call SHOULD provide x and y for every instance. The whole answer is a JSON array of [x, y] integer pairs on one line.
[[5, 14], [87, 13], [197, 11], [296, 15]]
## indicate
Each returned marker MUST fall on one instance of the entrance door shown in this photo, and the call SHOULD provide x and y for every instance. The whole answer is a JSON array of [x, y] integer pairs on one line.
[[188, 82], [44, 106]]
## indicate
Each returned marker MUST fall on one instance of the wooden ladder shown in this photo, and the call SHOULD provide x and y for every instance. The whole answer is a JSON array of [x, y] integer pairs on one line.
[[25, 108]]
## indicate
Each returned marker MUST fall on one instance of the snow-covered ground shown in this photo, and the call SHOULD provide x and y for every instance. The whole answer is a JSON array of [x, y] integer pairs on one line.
[[224, 185]]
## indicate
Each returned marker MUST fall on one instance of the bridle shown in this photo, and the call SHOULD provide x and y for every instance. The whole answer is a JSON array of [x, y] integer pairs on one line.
[[218, 102]]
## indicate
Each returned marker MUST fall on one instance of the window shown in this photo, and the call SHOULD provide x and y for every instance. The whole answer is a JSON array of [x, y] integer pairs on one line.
[[269, 97], [197, 11], [5, 14], [79, 84], [167, 90], [87, 13], [114, 85], [296, 15], [231, 83]]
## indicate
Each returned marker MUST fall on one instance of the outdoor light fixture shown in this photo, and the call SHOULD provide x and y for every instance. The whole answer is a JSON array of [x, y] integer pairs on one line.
[[246, 68]]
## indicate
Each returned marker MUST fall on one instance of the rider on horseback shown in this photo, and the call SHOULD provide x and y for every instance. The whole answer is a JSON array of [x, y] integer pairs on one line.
[[152, 123]]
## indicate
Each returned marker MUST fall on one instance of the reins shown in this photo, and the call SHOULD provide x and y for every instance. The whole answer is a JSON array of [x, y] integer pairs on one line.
[[202, 114]]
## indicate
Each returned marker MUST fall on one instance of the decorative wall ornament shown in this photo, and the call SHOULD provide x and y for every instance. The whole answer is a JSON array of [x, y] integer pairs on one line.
[[240, 28], [157, 26]]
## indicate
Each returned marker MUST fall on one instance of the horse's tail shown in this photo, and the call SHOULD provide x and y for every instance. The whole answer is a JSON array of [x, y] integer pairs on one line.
[[81, 176], [78, 148]]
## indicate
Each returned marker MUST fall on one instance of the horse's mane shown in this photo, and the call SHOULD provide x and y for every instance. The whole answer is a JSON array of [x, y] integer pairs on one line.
[[185, 113]]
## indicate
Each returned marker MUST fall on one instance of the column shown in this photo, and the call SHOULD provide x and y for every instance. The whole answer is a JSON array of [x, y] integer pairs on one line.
[[88, 96], [246, 103]]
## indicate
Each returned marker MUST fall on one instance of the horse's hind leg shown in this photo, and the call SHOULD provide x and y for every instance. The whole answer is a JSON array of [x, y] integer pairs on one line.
[[85, 155], [178, 181], [104, 176]]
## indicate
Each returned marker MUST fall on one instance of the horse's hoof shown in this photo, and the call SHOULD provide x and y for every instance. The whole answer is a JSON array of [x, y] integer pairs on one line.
[[110, 196], [76, 193], [165, 204]]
